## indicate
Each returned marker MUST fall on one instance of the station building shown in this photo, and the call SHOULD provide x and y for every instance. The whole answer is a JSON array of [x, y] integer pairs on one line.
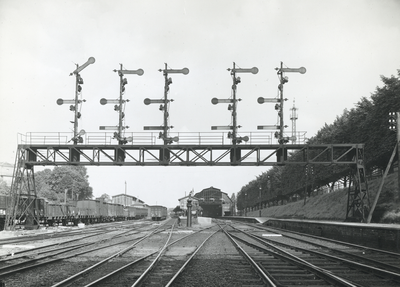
[[214, 202], [195, 204], [126, 200]]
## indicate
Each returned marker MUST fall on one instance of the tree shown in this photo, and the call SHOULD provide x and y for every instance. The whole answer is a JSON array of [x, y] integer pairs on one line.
[[366, 123], [106, 197], [43, 188], [4, 188], [52, 184]]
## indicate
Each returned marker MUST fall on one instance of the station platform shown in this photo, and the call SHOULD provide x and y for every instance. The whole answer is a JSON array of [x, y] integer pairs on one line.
[[373, 235], [247, 219]]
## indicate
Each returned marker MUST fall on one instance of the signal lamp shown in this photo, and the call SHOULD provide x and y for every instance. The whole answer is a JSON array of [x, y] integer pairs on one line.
[[240, 139], [80, 80]]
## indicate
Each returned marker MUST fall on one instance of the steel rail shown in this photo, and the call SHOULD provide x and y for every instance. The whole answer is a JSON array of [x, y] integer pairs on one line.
[[320, 272], [138, 260], [50, 261], [188, 260], [42, 247], [94, 231], [361, 258], [359, 266], [147, 271], [119, 253], [266, 278], [65, 250], [331, 240]]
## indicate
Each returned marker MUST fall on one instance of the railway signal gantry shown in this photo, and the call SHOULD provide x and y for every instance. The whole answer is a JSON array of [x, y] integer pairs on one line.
[[201, 149]]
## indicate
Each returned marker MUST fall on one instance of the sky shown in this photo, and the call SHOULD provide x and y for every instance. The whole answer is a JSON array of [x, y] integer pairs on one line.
[[344, 45]]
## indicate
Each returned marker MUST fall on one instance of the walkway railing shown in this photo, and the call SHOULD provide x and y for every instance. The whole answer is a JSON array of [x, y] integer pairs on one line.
[[149, 138]]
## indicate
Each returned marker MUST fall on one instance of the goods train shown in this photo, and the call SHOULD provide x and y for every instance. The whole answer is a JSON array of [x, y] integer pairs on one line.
[[158, 212], [85, 211]]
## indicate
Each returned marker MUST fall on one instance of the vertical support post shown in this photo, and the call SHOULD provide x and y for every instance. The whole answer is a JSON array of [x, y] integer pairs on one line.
[[120, 112], [23, 203], [381, 184], [398, 149], [245, 204], [259, 198], [234, 114], [358, 199], [78, 79], [189, 211], [280, 113]]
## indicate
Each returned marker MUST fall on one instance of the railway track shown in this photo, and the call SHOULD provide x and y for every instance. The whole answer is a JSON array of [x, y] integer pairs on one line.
[[217, 263], [38, 261], [316, 264], [379, 258], [94, 229], [147, 264], [237, 254], [73, 237]]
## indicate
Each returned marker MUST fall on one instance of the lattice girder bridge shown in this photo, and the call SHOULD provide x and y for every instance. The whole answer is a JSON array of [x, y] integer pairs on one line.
[[29, 155]]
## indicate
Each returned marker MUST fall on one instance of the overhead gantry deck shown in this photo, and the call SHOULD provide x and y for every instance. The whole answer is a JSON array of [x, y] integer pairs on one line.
[[30, 155], [191, 155]]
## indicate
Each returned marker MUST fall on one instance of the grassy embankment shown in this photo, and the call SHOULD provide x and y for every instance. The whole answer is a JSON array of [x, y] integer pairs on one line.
[[332, 206]]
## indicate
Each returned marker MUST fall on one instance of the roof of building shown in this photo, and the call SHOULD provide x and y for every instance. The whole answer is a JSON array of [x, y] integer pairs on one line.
[[195, 198], [127, 195]]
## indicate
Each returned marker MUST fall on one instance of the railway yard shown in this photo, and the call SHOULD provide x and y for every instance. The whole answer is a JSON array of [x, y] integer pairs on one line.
[[223, 253]]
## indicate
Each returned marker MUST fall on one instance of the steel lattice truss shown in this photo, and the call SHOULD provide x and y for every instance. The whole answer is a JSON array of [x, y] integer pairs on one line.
[[23, 193], [22, 206], [192, 155]]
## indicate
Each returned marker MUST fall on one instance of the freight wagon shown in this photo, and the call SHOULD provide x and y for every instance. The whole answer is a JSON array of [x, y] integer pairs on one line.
[[136, 212], [74, 212], [24, 205], [158, 212]]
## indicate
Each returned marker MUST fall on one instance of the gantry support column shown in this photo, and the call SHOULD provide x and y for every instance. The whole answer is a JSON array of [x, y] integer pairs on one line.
[[23, 205], [358, 204]]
